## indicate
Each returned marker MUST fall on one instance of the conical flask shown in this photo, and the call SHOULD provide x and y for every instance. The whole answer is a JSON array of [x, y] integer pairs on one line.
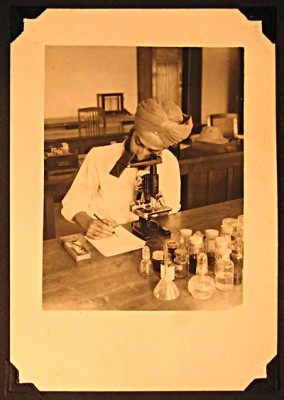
[[166, 289]]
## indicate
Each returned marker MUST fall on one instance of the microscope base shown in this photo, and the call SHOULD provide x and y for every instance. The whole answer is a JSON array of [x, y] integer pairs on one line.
[[141, 229]]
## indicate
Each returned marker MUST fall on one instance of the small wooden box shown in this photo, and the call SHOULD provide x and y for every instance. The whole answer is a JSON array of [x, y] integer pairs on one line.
[[75, 248]]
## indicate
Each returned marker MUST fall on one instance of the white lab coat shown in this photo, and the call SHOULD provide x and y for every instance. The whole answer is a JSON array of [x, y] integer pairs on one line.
[[94, 190]]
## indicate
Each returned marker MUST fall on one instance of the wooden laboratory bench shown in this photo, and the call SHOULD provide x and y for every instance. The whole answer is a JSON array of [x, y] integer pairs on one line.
[[113, 283]]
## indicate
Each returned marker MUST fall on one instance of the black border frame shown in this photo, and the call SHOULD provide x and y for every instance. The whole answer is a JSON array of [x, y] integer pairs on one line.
[[12, 14]]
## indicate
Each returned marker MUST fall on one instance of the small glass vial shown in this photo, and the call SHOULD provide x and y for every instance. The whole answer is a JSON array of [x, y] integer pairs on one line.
[[210, 247], [157, 259], [196, 244], [185, 234], [146, 265], [221, 244], [227, 232], [231, 222], [172, 246], [170, 267], [201, 286], [239, 237], [237, 259], [181, 263], [224, 271]]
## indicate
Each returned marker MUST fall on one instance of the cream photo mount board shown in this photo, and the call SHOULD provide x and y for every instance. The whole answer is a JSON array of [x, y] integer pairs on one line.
[[130, 351]]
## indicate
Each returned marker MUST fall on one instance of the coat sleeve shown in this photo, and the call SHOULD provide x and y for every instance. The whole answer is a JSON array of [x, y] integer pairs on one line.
[[83, 188], [169, 180]]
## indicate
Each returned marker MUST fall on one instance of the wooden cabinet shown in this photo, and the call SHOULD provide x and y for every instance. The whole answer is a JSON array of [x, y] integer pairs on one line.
[[160, 73], [210, 179]]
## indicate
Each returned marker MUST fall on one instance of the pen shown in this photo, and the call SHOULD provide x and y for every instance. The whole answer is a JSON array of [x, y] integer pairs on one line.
[[96, 216]]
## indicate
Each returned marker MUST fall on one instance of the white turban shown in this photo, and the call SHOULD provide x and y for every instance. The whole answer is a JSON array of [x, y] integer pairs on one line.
[[164, 119]]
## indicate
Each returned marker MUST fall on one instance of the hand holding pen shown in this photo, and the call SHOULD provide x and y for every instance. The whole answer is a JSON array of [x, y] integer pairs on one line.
[[100, 228]]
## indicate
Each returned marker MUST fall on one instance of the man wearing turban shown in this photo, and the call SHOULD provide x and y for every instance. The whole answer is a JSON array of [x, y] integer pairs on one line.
[[165, 120], [105, 184]]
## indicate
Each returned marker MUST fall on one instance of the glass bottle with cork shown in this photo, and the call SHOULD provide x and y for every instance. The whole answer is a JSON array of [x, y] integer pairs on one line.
[[224, 271], [210, 247], [146, 265], [237, 259], [172, 246], [233, 224], [185, 235], [196, 247], [221, 244], [181, 254], [227, 232]]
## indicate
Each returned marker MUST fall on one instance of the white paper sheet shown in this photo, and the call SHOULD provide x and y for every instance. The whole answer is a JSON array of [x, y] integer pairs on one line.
[[122, 242]]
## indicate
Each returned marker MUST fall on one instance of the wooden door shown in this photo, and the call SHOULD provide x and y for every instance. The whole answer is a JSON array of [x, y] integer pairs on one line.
[[167, 74], [160, 73]]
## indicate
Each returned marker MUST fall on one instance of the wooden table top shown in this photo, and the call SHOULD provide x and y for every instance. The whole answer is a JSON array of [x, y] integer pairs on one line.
[[113, 283]]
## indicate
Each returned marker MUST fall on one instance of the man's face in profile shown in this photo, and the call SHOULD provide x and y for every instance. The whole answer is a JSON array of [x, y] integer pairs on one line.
[[145, 143]]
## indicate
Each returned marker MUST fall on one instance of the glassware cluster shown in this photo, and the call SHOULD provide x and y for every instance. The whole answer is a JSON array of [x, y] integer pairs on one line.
[[210, 260]]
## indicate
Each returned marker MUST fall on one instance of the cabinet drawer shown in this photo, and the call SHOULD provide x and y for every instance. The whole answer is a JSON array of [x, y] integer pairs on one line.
[[61, 162]]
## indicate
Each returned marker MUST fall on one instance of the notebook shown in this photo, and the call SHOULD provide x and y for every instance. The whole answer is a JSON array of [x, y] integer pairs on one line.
[[122, 242]]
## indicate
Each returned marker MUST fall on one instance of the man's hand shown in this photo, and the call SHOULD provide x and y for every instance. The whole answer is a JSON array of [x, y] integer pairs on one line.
[[98, 229], [95, 229]]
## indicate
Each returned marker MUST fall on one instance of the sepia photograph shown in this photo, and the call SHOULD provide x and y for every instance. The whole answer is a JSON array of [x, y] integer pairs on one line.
[[143, 201], [143, 149]]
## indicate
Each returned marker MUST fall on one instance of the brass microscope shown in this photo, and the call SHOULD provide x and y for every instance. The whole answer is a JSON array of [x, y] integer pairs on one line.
[[149, 202]]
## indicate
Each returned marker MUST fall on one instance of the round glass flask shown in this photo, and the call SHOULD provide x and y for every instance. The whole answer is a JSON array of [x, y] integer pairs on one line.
[[201, 286]]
